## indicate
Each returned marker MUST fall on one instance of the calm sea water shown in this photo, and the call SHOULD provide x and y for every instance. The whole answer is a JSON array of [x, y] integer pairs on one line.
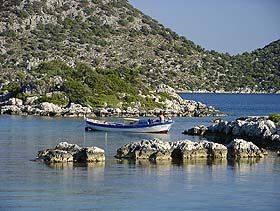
[[200, 184], [240, 104]]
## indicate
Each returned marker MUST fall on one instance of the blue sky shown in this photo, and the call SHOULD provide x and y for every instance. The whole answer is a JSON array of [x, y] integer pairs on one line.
[[232, 26]]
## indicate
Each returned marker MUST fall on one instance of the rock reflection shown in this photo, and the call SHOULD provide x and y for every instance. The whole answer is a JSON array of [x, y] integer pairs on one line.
[[158, 164], [243, 164], [61, 166], [204, 162], [71, 165], [180, 163]]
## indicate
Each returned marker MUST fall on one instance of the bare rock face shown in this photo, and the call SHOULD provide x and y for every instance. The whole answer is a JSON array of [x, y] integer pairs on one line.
[[240, 148], [65, 152]]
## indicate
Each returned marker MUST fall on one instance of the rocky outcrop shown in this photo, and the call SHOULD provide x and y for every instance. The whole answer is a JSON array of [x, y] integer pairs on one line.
[[145, 149], [156, 150], [256, 127], [65, 152], [240, 148], [250, 128]]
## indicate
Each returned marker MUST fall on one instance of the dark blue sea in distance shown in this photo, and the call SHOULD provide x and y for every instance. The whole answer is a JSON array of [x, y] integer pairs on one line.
[[239, 104], [113, 185]]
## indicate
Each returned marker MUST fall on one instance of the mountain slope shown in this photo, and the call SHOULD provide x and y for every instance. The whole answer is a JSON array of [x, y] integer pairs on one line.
[[111, 35]]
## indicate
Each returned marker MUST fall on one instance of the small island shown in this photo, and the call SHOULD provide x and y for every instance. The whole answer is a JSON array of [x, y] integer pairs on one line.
[[57, 90]]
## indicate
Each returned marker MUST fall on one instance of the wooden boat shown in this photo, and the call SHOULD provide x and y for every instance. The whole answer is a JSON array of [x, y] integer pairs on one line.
[[130, 125]]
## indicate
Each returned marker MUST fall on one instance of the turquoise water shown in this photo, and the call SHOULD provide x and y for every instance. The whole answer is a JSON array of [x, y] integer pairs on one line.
[[200, 184]]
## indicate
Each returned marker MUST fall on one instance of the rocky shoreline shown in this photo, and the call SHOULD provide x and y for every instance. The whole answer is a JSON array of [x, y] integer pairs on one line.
[[260, 130], [175, 107]]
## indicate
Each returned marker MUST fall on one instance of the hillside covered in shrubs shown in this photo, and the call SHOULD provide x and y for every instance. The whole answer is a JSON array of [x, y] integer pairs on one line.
[[103, 52]]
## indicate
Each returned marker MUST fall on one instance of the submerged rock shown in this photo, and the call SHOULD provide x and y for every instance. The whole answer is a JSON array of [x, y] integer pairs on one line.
[[65, 152]]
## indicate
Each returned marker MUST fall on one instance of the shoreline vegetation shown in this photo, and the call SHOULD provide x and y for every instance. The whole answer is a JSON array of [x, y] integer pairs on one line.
[[56, 89], [164, 98]]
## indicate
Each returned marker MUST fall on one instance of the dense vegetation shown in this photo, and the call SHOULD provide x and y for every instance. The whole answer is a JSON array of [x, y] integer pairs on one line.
[[104, 51], [58, 83]]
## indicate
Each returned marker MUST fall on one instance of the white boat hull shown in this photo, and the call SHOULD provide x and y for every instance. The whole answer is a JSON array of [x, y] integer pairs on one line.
[[152, 128]]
